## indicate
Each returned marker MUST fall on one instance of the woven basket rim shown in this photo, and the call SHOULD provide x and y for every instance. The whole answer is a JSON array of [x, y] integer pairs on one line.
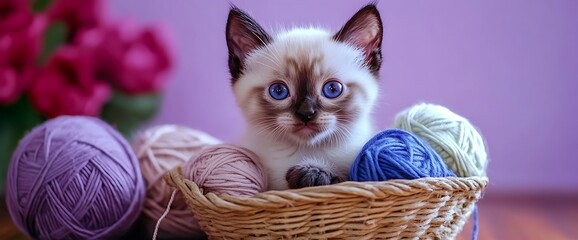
[[318, 194]]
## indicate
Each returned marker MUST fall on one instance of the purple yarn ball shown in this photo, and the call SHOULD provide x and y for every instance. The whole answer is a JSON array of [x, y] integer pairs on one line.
[[74, 177]]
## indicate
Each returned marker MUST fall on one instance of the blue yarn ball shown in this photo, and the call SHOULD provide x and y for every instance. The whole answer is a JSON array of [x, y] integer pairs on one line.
[[397, 154]]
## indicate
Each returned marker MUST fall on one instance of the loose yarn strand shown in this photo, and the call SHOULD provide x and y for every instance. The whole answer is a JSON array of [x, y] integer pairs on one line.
[[160, 149], [457, 141], [164, 214], [475, 228]]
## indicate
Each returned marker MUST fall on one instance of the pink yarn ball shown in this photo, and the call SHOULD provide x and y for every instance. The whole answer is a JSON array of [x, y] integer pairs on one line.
[[160, 149], [227, 169]]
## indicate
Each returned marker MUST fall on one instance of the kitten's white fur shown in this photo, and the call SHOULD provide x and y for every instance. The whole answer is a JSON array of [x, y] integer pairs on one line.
[[339, 60]]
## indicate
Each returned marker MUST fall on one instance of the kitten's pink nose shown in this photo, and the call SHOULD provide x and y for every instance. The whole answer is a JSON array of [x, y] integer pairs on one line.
[[306, 111]]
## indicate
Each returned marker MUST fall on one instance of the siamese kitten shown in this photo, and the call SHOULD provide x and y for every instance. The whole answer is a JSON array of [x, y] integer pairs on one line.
[[306, 94]]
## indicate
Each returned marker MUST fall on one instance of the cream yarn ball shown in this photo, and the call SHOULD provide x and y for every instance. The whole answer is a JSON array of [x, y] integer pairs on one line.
[[452, 136]]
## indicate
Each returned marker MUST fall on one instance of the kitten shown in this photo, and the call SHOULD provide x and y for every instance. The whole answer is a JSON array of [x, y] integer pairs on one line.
[[306, 94]]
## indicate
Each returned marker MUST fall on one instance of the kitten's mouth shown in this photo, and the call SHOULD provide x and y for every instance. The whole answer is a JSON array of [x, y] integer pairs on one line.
[[310, 133], [306, 130]]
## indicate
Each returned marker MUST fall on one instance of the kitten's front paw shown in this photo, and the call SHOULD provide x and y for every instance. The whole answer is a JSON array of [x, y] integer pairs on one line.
[[300, 176]]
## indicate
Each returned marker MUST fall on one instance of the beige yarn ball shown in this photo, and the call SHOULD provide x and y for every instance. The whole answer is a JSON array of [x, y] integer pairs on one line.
[[227, 169], [452, 136], [160, 149]]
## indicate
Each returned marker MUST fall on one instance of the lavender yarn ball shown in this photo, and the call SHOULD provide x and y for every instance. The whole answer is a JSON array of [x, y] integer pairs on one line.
[[74, 177]]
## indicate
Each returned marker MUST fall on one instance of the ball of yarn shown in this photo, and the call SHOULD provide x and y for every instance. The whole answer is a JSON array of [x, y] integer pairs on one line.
[[160, 149], [227, 169], [452, 136], [397, 154], [74, 177]]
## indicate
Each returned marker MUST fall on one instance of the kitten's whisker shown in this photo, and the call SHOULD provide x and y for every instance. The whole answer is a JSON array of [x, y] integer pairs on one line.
[[342, 135], [278, 132], [261, 40], [348, 133], [276, 62], [266, 65], [275, 53], [264, 122], [268, 124], [268, 47]]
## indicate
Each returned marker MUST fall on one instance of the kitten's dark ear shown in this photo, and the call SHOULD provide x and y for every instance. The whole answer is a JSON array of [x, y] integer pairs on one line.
[[365, 31], [244, 35]]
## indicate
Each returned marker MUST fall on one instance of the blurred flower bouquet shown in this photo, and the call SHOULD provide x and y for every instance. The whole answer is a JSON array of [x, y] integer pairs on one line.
[[63, 57]]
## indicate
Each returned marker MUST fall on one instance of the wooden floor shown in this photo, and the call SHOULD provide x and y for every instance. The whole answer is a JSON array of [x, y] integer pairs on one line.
[[522, 217], [526, 217]]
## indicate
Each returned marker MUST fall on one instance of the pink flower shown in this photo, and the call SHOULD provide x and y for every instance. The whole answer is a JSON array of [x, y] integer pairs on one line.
[[66, 85], [135, 61], [19, 51], [12, 84], [14, 15], [77, 14]]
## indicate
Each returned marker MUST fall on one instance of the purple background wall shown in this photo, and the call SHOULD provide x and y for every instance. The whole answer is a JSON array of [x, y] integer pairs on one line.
[[511, 67]]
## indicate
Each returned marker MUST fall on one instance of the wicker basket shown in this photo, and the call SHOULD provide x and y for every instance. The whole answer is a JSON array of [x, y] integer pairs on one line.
[[427, 208]]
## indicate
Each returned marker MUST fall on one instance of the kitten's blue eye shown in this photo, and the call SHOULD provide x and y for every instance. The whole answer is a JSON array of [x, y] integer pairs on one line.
[[278, 91], [332, 89]]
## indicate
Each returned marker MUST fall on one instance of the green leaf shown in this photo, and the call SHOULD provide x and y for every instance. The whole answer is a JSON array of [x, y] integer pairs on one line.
[[40, 5], [8, 141], [15, 121], [129, 113], [55, 35]]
